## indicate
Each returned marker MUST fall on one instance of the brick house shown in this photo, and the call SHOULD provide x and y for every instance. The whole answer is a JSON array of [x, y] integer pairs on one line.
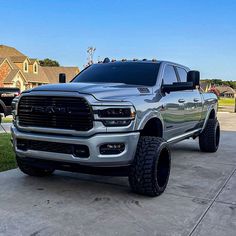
[[226, 91], [18, 70]]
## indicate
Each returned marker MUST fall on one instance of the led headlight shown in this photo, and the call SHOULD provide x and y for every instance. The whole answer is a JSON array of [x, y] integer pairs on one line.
[[116, 112], [114, 116], [113, 123]]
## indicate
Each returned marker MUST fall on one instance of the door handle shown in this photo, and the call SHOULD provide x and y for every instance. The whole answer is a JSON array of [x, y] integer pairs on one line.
[[163, 107], [181, 100], [196, 100]]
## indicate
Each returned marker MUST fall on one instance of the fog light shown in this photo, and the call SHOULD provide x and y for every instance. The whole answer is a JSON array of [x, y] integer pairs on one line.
[[22, 144], [81, 151], [112, 148]]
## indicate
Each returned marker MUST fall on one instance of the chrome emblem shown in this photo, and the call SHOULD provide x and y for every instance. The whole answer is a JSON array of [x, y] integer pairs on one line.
[[49, 109]]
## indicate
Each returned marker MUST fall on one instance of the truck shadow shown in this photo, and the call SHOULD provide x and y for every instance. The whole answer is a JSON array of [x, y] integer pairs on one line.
[[227, 141], [77, 186], [187, 161]]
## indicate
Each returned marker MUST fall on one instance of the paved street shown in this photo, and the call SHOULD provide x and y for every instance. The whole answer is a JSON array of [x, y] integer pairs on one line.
[[200, 198]]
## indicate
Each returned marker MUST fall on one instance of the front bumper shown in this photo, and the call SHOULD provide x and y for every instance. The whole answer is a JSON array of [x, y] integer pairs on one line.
[[93, 143]]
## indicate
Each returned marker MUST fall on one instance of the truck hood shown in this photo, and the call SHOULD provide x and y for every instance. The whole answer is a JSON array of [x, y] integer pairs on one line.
[[101, 91]]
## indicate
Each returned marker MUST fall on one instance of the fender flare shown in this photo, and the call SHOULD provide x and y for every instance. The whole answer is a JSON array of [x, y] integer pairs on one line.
[[207, 116], [148, 117]]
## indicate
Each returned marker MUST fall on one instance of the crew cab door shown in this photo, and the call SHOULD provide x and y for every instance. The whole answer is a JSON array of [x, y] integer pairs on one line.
[[193, 102], [173, 106]]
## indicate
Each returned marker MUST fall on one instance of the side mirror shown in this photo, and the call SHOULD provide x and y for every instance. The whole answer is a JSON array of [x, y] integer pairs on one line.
[[62, 78], [194, 77], [178, 86]]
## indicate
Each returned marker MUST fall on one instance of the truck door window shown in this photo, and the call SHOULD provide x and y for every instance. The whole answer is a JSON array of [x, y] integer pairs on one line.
[[182, 74], [169, 76]]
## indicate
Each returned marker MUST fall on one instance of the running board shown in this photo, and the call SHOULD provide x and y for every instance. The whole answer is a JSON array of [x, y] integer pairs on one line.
[[183, 136]]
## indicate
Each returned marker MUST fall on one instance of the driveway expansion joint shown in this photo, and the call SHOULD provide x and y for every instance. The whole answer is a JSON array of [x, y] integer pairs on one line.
[[212, 202]]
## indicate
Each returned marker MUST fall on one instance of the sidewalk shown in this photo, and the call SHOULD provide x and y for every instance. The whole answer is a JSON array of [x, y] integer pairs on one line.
[[5, 127]]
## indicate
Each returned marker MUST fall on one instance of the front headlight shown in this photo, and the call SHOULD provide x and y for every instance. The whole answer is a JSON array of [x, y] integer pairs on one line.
[[116, 112], [114, 116]]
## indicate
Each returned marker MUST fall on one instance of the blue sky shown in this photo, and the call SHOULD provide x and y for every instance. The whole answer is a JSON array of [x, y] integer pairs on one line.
[[200, 34]]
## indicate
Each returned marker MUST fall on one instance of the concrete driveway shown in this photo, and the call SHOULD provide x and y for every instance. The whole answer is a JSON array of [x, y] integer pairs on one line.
[[200, 198]]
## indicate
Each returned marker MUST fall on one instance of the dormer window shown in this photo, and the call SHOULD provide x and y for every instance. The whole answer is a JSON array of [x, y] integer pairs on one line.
[[26, 66], [35, 68]]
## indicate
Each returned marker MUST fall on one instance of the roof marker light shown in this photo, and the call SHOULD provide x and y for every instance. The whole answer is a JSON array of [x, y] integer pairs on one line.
[[106, 60]]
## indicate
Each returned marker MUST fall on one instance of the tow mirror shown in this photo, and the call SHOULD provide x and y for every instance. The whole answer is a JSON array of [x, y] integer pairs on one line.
[[194, 77], [178, 86], [62, 78]]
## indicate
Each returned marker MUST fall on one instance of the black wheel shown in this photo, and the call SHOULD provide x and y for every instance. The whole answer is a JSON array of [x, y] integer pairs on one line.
[[149, 173], [28, 169], [209, 139]]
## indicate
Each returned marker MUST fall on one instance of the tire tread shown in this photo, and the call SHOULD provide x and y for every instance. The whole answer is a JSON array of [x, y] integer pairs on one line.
[[207, 139], [141, 177]]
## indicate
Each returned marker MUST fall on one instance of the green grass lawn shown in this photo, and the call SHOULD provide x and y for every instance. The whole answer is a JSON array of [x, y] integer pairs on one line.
[[6, 120], [7, 160], [226, 101]]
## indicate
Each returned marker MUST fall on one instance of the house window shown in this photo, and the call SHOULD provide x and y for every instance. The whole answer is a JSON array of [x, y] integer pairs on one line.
[[25, 66], [35, 68]]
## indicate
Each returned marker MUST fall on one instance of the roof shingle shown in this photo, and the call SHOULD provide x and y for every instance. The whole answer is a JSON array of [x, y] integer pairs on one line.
[[18, 58], [225, 89], [6, 51], [53, 73], [11, 76], [40, 77]]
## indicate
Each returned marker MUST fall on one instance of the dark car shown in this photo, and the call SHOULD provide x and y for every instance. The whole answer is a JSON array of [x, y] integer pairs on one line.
[[6, 97]]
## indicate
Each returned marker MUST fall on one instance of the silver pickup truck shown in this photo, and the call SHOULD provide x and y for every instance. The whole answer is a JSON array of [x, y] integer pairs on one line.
[[115, 118]]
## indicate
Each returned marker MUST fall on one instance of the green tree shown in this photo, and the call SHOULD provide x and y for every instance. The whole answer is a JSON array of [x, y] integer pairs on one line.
[[216, 81], [48, 62]]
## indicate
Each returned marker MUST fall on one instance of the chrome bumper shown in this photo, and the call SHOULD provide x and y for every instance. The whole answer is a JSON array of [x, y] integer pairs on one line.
[[94, 142]]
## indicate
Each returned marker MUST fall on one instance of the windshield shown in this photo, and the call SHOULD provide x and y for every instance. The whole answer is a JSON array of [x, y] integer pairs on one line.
[[133, 73]]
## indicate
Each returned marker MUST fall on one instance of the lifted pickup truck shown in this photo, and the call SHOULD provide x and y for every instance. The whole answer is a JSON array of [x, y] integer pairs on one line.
[[115, 117], [6, 97]]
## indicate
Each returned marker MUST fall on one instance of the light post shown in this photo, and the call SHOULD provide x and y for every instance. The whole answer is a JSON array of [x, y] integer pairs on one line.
[[90, 52]]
